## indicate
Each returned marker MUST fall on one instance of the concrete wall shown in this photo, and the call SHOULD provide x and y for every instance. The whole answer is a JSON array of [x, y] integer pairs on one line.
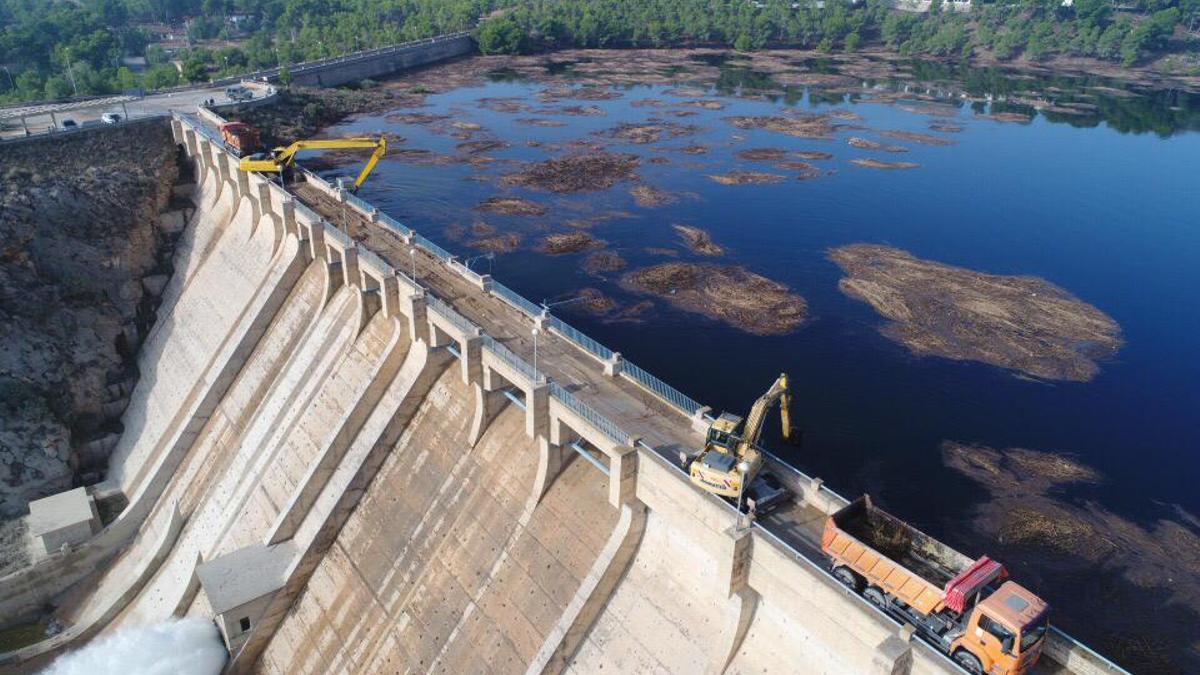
[[382, 63], [299, 389]]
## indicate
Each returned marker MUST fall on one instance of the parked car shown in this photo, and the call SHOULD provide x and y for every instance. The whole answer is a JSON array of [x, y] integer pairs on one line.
[[110, 118], [68, 125]]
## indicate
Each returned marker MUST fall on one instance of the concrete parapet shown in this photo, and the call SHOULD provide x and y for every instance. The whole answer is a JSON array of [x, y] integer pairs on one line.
[[537, 410]]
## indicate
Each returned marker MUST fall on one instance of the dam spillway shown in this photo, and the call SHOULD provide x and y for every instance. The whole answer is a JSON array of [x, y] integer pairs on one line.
[[430, 500]]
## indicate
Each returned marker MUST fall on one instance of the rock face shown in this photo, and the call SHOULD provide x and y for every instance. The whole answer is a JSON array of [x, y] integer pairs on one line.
[[82, 265]]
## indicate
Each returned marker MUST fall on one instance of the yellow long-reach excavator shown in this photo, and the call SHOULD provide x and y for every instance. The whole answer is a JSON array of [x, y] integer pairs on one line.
[[282, 160], [730, 464]]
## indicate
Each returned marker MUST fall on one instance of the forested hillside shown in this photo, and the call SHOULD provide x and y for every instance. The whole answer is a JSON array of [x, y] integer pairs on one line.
[[59, 48]]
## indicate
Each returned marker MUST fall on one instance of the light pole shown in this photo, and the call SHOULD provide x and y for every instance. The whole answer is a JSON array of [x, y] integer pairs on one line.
[[11, 83], [70, 72], [412, 252], [537, 379], [485, 256], [744, 467]]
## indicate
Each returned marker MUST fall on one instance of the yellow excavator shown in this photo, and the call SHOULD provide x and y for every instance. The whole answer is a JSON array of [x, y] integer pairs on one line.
[[282, 160], [730, 465]]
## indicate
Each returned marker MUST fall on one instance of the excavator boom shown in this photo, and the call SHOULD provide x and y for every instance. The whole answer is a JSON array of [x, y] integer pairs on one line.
[[283, 159]]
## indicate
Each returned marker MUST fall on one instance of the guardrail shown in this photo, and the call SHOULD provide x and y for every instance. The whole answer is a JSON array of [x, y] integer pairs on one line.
[[659, 388], [588, 344], [515, 299], [450, 314], [505, 354], [606, 426]]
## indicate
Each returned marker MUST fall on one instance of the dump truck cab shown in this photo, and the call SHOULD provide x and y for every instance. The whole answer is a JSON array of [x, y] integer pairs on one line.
[[1005, 632]]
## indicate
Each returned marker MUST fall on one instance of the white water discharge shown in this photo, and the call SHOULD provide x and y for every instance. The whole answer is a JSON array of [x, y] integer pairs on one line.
[[184, 647]]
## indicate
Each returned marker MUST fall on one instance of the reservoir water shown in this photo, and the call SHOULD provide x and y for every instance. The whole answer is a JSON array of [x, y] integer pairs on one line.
[[1100, 197]]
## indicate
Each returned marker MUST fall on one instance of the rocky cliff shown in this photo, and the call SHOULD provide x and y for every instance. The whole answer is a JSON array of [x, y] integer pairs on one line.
[[83, 259]]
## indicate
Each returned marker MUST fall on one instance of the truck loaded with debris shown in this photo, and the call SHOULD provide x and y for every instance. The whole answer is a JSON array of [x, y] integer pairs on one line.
[[966, 608]]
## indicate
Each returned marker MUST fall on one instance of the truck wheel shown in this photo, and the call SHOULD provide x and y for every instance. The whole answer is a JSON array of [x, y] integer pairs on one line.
[[875, 596], [848, 578], [968, 662]]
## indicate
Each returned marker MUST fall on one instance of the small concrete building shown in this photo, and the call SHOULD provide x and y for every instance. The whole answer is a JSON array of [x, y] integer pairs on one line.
[[65, 518], [240, 585]]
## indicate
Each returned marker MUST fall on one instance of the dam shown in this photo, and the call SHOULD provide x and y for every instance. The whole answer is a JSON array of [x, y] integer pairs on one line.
[[358, 455]]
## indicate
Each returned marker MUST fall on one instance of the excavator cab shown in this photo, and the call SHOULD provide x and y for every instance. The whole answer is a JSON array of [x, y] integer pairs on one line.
[[730, 463], [723, 432]]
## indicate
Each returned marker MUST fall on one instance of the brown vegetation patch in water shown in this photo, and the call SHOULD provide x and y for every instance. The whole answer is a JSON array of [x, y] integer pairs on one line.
[[923, 139], [511, 206], [649, 196], [867, 144], [1019, 118], [946, 127], [705, 103], [694, 149], [814, 154], [731, 294], [576, 173], [762, 154], [1068, 547], [745, 178], [601, 262], [569, 242], [799, 125], [698, 240], [642, 134], [503, 104], [477, 147], [872, 163], [1021, 323], [595, 302], [504, 243], [540, 122]]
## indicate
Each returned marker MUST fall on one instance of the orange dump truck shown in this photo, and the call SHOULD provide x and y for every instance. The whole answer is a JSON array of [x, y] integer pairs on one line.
[[240, 138], [964, 607]]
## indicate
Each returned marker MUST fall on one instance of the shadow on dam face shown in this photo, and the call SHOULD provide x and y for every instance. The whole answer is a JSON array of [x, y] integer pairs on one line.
[[300, 400]]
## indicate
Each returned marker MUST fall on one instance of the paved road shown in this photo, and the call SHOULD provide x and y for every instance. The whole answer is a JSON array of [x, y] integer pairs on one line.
[[42, 118]]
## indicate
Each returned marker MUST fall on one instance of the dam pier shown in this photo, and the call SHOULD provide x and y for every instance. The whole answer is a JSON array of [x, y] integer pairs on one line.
[[343, 450]]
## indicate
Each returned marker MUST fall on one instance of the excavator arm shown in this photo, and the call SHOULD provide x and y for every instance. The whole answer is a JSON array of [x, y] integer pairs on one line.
[[778, 392], [282, 159]]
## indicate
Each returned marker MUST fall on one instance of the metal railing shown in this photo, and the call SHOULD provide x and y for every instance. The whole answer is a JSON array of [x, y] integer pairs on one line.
[[606, 426], [332, 232], [505, 355], [588, 344], [450, 313], [433, 248], [515, 299], [393, 224], [309, 215], [371, 259], [354, 201], [659, 388]]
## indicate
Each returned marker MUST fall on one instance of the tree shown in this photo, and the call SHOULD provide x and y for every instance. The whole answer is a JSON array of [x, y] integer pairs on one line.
[[852, 41], [58, 87], [500, 36]]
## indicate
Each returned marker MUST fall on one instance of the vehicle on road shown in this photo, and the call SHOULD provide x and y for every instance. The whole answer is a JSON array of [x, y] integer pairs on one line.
[[238, 92], [110, 118], [730, 464], [240, 138], [68, 125], [965, 608]]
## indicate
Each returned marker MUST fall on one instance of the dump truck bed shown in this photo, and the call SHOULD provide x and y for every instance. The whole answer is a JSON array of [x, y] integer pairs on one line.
[[893, 555]]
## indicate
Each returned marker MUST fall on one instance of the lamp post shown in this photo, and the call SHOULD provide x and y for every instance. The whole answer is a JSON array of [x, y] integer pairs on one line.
[[485, 256], [537, 379], [744, 467], [70, 72], [412, 252]]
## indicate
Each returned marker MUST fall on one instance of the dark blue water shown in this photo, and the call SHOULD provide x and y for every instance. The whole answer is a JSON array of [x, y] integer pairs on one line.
[[1111, 216]]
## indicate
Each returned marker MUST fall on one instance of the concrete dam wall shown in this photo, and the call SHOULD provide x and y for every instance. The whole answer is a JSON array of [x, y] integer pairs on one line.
[[349, 474]]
